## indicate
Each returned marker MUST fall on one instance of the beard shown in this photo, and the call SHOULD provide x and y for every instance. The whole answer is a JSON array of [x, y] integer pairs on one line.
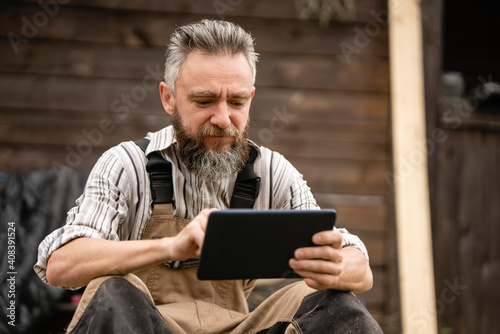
[[215, 164]]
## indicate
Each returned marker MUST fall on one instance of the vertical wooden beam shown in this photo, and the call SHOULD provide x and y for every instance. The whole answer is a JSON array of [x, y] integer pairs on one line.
[[410, 177]]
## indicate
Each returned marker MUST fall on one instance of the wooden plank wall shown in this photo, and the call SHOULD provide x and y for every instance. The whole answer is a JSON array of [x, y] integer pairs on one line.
[[463, 170], [80, 76]]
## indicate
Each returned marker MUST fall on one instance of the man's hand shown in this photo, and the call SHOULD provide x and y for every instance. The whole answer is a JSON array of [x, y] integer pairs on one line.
[[83, 259], [329, 266], [188, 243]]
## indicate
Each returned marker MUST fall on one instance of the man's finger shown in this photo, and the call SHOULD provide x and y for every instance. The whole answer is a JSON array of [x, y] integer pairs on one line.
[[327, 253], [316, 266], [333, 238], [202, 218], [318, 281]]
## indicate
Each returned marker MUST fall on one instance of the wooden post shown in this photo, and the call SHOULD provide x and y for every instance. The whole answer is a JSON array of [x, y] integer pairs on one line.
[[416, 273]]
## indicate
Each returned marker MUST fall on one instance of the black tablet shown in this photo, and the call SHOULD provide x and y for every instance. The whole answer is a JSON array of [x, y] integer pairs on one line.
[[245, 244]]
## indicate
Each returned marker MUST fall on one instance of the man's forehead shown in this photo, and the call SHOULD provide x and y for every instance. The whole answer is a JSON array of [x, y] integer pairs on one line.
[[224, 66], [215, 75], [237, 93]]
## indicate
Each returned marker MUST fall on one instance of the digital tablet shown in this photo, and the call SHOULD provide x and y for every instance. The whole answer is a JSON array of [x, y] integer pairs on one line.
[[247, 244]]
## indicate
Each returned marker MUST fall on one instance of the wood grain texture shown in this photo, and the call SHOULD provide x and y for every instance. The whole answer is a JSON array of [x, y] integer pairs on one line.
[[412, 207]]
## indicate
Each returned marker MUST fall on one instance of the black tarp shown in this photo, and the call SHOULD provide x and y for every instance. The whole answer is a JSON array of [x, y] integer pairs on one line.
[[32, 205]]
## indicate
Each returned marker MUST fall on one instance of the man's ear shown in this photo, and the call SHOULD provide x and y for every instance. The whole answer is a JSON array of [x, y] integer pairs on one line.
[[167, 98], [252, 94]]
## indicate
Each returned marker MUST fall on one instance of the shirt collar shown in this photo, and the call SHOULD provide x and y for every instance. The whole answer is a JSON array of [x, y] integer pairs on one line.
[[161, 140]]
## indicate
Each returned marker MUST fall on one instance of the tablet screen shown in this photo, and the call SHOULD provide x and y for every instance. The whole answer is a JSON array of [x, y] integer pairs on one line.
[[245, 244]]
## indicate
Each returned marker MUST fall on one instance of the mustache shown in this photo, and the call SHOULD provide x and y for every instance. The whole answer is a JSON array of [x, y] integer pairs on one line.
[[214, 131]]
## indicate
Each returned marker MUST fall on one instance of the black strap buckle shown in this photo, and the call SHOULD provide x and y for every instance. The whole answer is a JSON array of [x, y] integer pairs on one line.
[[189, 263], [160, 177]]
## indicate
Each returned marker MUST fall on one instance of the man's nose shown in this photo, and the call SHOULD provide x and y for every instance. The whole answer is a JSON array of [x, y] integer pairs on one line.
[[220, 116]]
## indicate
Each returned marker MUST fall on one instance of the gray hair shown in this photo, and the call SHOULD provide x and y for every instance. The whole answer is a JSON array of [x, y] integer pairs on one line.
[[209, 36]]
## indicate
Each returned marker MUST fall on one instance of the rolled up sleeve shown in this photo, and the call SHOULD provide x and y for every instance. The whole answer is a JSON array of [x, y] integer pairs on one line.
[[57, 239], [351, 240], [98, 213]]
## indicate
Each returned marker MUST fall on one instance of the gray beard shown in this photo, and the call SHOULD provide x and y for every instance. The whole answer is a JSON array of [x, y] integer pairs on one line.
[[206, 164], [216, 166]]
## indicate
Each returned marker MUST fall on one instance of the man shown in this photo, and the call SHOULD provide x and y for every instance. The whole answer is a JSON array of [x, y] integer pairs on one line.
[[117, 244]]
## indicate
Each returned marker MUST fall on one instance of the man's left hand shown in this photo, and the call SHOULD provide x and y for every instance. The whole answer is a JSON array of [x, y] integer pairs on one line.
[[329, 266], [320, 266]]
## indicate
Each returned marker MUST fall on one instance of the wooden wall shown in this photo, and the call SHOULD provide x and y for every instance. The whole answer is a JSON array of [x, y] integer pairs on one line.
[[463, 166], [77, 77]]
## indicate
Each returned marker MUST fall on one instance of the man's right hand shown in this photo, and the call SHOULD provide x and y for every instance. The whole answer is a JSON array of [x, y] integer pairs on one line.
[[188, 243], [83, 259]]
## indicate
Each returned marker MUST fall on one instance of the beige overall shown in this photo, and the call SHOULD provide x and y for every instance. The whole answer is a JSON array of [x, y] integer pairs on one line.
[[189, 305]]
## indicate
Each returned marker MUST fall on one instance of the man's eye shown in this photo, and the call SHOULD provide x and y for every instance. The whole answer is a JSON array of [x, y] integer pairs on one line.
[[238, 104], [203, 103]]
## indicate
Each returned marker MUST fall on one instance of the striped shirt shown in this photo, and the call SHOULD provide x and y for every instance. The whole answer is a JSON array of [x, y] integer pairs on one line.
[[116, 202]]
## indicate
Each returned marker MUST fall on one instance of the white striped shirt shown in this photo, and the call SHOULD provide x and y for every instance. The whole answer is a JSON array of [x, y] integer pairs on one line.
[[116, 203]]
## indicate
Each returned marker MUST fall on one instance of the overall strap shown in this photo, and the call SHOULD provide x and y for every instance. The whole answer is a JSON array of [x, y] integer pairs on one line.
[[160, 175], [247, 185]]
